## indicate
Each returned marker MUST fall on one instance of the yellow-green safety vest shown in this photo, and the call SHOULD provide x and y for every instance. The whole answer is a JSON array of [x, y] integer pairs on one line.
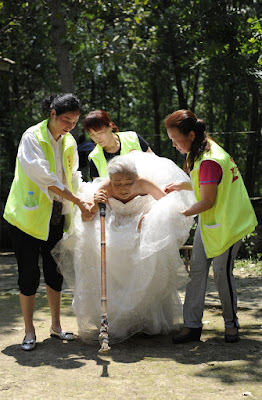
[[129, 142], [35, 220], [232, 216]]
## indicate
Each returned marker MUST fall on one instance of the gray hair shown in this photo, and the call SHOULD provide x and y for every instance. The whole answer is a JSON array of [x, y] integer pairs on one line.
[[122, 165]]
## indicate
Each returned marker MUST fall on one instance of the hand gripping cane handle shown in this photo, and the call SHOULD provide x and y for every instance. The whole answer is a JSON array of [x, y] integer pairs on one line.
[[102, 209]]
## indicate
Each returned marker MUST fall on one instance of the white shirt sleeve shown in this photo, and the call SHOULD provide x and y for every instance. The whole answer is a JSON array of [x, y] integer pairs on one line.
[[76, 175], [35, 165]]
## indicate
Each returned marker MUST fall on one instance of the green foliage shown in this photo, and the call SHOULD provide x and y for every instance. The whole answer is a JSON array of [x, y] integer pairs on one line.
[[248, 249], [139, 60], [252, 266]]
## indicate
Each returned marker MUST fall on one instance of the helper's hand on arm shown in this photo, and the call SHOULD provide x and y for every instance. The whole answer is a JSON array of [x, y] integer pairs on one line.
[[171, 187], [84, 206], [87, 212]]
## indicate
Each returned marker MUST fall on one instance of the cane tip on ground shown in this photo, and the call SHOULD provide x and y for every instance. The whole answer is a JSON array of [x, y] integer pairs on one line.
[[104, 348]]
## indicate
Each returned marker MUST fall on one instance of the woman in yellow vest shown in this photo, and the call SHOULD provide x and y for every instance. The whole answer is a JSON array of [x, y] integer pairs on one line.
[[40, 203], [109, 142], [225, 216]]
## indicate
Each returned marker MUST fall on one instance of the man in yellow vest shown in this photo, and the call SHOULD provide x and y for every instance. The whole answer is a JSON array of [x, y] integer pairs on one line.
[[39, 206]]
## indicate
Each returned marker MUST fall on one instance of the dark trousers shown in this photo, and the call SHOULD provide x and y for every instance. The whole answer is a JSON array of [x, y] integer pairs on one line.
[[27, 250]]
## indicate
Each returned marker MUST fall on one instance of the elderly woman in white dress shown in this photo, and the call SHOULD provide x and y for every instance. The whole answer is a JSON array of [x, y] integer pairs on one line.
[[144, 231]]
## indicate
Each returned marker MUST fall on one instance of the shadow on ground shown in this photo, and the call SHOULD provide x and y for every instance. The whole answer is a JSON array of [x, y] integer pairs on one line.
[[216, 360], [213, 354]]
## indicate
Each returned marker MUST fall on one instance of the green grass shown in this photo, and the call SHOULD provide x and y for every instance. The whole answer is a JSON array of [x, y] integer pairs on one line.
[[252, 266]]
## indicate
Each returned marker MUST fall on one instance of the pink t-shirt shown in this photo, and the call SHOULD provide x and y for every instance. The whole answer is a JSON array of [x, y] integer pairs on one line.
[[210, 172]]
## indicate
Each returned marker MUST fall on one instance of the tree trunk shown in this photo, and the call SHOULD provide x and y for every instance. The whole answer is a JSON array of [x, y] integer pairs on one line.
[[180, 90], [253, 147], [172, 49], [229, 111], [210, 117], [59, 35], [155, 99], [118, 94], [195, 88]]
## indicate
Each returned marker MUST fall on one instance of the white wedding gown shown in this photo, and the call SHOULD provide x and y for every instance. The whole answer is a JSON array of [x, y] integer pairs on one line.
[[143, 267]]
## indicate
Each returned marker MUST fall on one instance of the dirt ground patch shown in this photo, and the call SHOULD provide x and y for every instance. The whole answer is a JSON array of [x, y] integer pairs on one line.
[[141, 368]]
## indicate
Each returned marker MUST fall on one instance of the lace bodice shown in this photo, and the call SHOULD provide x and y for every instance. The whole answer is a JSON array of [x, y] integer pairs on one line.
[[136, 206]]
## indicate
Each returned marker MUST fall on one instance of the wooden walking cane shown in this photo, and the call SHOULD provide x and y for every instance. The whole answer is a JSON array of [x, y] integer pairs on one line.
[[103, 335]]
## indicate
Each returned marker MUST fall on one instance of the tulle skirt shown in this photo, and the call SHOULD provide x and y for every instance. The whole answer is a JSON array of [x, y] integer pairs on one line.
[[143, 267]]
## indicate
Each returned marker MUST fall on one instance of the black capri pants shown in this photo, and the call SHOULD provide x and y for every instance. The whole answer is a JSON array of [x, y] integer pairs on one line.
[[27, 250]]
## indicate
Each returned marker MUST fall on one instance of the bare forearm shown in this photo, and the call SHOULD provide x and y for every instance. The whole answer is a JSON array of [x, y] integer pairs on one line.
[[187, 185], [83, 205], [208, 197], [198, 208], [66, 194], [158, 193], [149, 187]]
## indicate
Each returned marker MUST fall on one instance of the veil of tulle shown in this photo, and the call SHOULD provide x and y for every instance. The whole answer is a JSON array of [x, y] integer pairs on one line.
[[144, 268]]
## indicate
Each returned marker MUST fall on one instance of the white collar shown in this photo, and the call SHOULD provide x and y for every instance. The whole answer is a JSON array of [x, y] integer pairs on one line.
[[52, 137]]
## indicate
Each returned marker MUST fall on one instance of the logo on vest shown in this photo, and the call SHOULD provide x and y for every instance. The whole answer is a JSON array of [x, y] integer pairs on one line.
[[69, 161], [234, 171]]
